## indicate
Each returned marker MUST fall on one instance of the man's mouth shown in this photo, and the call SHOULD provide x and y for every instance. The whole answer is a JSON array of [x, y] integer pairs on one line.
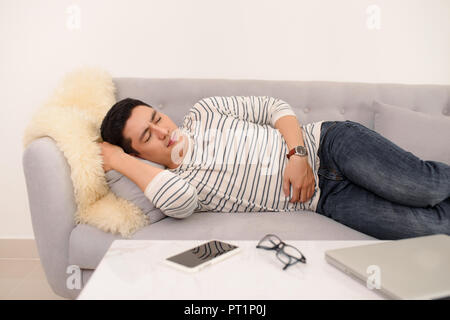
[[172, 139]]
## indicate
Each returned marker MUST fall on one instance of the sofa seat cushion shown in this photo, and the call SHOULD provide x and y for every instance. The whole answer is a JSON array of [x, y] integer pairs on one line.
[[88, 245]]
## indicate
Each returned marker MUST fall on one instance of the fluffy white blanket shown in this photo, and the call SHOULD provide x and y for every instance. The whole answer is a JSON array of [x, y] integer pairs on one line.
[[72, 117]]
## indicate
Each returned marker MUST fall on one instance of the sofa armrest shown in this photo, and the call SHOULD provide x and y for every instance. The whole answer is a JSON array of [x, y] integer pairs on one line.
[[52, 205]]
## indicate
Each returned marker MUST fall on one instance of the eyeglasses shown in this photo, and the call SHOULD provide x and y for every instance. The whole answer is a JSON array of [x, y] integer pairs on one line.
[[287, 254]]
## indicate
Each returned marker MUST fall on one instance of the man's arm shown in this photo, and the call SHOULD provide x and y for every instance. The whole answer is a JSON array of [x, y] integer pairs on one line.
[[137, 171], [257, 109], [298, 172], [291, 131], [168, 192]]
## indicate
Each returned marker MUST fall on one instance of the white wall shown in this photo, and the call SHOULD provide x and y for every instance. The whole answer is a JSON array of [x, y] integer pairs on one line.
[[256, 39]]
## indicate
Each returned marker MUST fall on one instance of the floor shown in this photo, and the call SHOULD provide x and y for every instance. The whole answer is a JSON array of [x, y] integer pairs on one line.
[[21, 274]]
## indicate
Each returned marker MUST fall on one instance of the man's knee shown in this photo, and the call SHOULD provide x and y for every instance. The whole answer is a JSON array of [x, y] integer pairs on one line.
[[434, 198], [435, 191]]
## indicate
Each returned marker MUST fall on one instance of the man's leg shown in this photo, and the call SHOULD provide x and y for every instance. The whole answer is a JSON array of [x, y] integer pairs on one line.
[[370, 184], [367, 159], [368, 213]]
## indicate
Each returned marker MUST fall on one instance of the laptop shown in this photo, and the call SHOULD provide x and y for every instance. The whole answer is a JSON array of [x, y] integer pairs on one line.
[[413, 268]]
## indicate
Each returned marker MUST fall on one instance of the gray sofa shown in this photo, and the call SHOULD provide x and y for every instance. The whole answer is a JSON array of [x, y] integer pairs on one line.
[[61, 243]]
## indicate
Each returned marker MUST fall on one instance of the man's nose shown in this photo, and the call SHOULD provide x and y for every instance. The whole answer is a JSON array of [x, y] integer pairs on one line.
[[161, 132]]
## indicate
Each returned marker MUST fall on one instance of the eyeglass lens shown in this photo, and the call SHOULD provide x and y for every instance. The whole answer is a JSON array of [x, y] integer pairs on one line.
[[270, 241], [288, 253]]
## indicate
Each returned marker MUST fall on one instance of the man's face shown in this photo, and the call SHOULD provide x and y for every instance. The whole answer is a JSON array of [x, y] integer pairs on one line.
[[150, 131]]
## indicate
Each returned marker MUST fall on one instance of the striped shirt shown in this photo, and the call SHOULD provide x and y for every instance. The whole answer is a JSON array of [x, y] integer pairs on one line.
[[234, 161]]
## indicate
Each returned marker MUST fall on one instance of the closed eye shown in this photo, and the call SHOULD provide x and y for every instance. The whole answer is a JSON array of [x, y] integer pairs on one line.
[[149, 134]]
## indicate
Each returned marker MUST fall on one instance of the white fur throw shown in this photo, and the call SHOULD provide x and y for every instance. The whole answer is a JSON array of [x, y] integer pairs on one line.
[[72, 117]]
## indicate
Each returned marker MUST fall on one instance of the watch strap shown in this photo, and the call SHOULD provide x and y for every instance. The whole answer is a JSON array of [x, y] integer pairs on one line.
[[293, 151]]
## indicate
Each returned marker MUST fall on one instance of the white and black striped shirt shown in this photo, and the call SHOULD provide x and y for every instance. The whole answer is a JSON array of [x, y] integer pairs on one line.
[[235, 160]]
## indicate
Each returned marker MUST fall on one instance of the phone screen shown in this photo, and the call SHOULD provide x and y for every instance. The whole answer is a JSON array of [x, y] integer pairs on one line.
[[203, 253]]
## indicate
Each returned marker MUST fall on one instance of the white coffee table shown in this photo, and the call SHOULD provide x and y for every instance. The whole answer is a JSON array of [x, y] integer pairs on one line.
[[133, 269]]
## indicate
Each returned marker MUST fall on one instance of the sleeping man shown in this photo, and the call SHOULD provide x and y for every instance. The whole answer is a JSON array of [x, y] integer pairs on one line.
[[247, 154]]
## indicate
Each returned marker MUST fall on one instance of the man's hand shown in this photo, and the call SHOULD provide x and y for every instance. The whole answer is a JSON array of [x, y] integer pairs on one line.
[[110, 153], [298, 172]]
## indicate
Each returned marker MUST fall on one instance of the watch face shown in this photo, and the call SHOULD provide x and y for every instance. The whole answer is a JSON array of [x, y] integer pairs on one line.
[[301, 150]]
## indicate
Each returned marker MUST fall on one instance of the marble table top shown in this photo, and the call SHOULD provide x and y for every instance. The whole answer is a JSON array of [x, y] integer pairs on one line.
[[134, 269]]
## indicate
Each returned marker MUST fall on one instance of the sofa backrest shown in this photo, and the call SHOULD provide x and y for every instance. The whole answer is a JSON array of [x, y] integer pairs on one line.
[[311, 100]]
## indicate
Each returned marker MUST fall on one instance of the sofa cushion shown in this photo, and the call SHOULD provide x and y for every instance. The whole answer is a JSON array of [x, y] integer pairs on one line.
[[88, 245], [424, 135], [124, 188]]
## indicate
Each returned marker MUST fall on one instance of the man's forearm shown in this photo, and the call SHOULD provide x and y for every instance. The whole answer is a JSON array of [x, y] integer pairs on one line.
[[291, 131], [137, 171]]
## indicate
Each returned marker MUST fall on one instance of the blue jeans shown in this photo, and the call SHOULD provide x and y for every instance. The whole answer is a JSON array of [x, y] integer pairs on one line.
[[372, 185]]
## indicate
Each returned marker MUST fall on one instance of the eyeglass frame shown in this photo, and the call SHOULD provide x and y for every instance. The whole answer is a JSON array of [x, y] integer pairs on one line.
[[279, 248]]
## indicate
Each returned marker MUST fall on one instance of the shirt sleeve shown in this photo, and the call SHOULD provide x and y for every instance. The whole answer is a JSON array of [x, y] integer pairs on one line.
[[256, 109], [172, 195]]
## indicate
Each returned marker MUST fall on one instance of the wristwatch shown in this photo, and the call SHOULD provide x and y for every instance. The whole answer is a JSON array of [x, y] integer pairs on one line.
[[298, 150]]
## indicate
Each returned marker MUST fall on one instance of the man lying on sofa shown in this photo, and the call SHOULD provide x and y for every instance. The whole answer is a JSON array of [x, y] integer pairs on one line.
[[235, 154]]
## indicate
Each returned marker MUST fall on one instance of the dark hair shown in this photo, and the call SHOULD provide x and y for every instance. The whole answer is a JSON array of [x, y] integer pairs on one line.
[[112, 125]]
